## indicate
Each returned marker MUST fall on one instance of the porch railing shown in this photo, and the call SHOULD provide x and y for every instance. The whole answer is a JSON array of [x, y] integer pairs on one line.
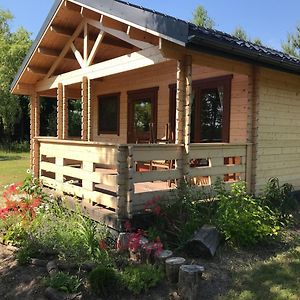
[[124, 177]]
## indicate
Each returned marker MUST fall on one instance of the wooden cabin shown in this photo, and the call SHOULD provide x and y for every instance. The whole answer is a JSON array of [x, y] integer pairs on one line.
[[162, 100]]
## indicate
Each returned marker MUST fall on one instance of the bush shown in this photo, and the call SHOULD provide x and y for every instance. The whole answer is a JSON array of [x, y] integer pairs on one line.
[[63, 282], [279, 198], [142, 277], [180, 216], [243, 219], [104, 280]]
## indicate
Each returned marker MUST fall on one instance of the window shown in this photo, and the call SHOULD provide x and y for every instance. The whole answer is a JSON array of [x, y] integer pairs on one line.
[[210, 117], [74, 117], [108, 116]]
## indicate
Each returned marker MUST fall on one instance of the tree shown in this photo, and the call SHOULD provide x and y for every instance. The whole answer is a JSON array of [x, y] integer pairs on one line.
[[201, 18], [13, 48], [292, 45], [241, 34]]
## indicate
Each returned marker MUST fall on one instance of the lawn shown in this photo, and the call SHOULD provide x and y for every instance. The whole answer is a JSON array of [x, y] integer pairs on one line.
[[276, 277], [13, 167]]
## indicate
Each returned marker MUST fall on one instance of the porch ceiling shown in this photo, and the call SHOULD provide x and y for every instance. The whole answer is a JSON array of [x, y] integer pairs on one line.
[[76, 38]]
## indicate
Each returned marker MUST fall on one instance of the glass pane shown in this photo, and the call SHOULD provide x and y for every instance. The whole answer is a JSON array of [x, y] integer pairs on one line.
[[142, 110], [48, 116], [108, 114], [212, 114], [74, 114]]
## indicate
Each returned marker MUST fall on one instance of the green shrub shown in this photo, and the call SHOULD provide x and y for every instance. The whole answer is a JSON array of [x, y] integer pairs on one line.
[[180, 216], [104, 280], [243, 219], [63, 282], [280, 198], [141, 277]]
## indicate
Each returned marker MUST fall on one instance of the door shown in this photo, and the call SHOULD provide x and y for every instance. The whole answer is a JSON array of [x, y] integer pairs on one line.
[[142, 112], [210, 112]]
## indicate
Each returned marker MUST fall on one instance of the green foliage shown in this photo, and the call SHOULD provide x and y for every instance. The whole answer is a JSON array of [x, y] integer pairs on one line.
[[104, 280], [243, 219], [240, 33], [292, 44], [27, 251], [186, 211], [63, 282], [279, 198], [201, 18], [141, 277], [13, 48], [17, 147], [74, 114]]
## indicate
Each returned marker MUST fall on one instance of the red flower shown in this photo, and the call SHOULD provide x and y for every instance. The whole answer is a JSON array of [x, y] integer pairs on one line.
[[127, 226], [103, 245]]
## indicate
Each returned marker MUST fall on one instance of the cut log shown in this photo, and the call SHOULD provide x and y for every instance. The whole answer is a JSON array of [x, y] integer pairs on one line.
[[204, 243], [172, 268], [123, 241], [189, 281], [162, 256], [52, 268]]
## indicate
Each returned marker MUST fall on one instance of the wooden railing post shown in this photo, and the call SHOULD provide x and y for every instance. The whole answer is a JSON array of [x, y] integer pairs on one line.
[[122, 181], [248, 167], [130, 191], [89, 167]]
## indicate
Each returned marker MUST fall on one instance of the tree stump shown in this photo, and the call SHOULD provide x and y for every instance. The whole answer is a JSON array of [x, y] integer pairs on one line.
[[205, 242], [189, 281], [172, 268], [52, 268], [123, 241], [161, 258]]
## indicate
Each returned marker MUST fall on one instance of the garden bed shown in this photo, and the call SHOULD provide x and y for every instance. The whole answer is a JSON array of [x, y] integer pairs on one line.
[[229, 274]]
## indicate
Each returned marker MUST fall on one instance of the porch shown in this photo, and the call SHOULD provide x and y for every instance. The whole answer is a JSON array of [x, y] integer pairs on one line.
[[122, 178]]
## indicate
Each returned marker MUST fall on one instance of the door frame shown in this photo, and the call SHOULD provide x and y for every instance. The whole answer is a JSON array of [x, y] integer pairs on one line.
[[202, 84], [132, 96]]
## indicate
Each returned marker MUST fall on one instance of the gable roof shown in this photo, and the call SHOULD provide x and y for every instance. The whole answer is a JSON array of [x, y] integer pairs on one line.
[[178, 31]]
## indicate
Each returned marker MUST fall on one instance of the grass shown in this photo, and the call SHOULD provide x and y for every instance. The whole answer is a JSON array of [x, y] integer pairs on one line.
[[13, 167], [275, 278]]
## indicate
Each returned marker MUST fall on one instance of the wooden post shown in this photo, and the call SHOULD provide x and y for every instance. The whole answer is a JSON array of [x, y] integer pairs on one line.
[[89, 167], [130, 192], [172, 268], [60, 111], [189, 282], [183, 110], [187, 117], [65, 117], [34, 132], [122, 181], [86, 110]]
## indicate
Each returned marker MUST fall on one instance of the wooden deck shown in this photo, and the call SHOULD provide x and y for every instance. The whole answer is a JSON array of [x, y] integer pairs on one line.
[[111, 177]]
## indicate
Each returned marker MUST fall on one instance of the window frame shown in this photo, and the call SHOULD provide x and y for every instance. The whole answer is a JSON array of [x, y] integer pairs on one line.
[[100, 99], [201, 85]]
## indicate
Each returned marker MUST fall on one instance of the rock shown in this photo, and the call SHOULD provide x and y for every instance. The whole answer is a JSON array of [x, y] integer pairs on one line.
[[53, 294], [205, 242], [52, 268], [89, 266], [38, 262]]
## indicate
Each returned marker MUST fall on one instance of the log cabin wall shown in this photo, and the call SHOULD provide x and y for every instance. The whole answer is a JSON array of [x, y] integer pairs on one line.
[[162, 76], [278, 128]]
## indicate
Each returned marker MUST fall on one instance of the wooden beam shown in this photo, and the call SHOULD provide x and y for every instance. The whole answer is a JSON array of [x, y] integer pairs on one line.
[[61, 30], [37, 70], [136, 60], [54, 53], [65, 49], [60, 95], [119, 34], [85, 43], [24, 89], [72, 6], [95, 48], [78, 56]]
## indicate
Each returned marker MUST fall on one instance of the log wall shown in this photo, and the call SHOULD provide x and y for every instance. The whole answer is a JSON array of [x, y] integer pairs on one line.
[[278, 128], [162, 75]]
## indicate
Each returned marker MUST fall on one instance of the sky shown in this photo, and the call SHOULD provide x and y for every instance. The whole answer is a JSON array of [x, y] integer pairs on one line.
[[269, 20]]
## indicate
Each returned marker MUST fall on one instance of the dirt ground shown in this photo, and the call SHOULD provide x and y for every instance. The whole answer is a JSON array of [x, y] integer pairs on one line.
[[25, 282]]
